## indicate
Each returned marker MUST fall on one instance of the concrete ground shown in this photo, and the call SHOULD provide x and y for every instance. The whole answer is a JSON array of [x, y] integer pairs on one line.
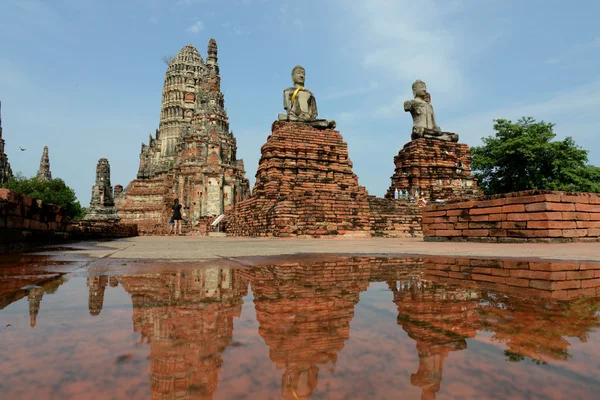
[[199, 248]]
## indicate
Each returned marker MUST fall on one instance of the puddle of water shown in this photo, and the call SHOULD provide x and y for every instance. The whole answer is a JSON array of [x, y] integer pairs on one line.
[[322, 327]]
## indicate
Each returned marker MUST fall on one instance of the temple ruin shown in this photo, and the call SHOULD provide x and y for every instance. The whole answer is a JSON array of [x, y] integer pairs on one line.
[[192, 156], [44, 174], [5, 169], [102, 205]]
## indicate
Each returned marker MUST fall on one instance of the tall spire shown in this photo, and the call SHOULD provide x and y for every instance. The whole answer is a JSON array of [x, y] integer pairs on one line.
[[44, 174], [212, 60]]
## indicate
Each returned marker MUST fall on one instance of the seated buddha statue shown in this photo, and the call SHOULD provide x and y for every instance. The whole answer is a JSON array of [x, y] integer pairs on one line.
[[300, 103], [421, 110]]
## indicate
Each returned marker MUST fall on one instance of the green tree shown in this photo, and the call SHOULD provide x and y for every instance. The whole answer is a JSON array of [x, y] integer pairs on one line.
[[54, 191], [522, 156]]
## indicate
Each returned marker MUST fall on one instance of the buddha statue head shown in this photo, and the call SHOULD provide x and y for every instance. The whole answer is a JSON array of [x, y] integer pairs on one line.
[[298, 75], [419, 89]]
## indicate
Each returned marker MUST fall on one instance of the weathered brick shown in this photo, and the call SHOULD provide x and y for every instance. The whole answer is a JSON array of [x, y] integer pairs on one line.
[[550, 207], [553, 266], [575, 216], [497, 217], [515, 208], [517, 282], [551, 225], [488, 278], [593, 208], [587, 274], [487, 210], [574, 232], [475, 232]]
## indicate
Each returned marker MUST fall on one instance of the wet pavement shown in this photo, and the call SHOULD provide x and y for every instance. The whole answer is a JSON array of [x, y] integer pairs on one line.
[[321, 326]]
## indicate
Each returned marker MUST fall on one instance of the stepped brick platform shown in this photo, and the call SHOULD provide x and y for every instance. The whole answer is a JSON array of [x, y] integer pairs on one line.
[[530, 216], [552, 279], [304, 186], [440, 169]]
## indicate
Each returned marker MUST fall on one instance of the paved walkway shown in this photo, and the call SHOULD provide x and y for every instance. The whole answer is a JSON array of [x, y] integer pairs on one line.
[[200, 248]]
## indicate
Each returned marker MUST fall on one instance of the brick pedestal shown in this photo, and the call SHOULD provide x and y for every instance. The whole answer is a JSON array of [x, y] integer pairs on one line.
[[304, 186], [441, 169]]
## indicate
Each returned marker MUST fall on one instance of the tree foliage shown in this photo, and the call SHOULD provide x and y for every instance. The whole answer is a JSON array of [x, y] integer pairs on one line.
[[522, 156], [54, 191]]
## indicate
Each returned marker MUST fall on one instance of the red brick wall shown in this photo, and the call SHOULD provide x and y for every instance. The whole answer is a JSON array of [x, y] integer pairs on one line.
[[555, 279], [394, 218], [24, 219], [531, 216]]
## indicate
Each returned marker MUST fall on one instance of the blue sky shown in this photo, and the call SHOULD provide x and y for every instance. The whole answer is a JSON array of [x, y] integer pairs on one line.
[[84, 77]]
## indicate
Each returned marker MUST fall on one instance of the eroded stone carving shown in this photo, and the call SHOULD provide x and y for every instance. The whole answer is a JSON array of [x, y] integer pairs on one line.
[[300, 103], [421, 110]]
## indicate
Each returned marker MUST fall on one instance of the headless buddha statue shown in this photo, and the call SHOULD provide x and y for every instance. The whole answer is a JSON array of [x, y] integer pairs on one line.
[[300, 103], [421, 110]]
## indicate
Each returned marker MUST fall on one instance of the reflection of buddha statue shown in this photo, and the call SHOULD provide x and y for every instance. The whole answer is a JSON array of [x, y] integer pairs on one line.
[[421, 110], [299, 383], [300, 103]]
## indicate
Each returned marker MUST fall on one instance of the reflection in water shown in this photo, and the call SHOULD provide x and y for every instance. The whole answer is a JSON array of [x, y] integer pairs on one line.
[[439, 319], [304, 309], [536, 329], [187, 319]]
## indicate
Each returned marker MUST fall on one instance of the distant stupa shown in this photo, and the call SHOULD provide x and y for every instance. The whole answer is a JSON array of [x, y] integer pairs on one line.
[[5, 170], [44, 174]]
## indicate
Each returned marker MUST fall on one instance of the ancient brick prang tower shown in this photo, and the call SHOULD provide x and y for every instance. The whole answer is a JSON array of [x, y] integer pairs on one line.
[[5, 170], [192, 155], [44, 174], [102, 205]]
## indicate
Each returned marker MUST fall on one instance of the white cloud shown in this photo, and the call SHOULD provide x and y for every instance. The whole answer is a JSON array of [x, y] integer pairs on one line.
[[405, 40], [575, 113], [191, 2], [233, 29], [153, 20], [196, 27], [576, 50], [338, 94]]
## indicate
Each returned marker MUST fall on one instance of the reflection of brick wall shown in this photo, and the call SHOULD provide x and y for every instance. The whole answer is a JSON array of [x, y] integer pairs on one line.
[[556, 279], [24, 219], [531, 216]]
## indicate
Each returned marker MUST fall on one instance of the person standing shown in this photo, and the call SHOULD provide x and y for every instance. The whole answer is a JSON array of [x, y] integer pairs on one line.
[[177, 215]]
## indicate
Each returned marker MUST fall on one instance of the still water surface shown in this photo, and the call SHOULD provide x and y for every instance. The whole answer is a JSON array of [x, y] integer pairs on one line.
[[327, 328]]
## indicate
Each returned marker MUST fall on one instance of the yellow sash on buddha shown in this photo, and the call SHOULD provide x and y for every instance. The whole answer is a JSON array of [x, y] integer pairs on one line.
[[295, 94]]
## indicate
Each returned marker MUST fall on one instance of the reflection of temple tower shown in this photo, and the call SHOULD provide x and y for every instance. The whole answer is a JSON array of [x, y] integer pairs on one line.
[[439, 320], [34, 298], [187, 318], [304, 312], [97, 287]]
